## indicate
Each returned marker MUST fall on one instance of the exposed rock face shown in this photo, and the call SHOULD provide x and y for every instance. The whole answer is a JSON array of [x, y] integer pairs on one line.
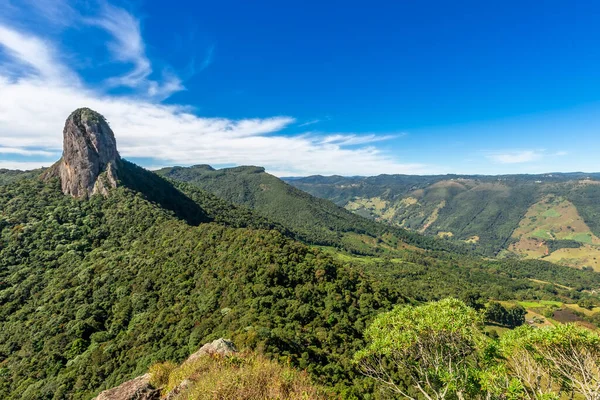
[[135, 389], [221, 347], [90, 158]]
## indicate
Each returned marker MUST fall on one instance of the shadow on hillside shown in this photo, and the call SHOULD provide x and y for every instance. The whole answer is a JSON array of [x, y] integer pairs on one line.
[[161, 192]]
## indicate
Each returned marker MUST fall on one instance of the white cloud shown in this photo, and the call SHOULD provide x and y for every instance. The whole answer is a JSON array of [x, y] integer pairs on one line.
[[343, 139], [23, 165], [127, 46], [26, 152], [57, 12], [31, 52], [311, 122], [516, 157], [34, 106]]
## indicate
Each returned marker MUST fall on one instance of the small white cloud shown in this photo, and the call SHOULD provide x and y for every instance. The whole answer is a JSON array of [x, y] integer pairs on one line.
[[516, 157], [308, 123], [349, 139], [23, 165], [26, 152]]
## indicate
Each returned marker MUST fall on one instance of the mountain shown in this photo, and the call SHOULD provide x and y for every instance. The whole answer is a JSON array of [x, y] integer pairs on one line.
[[97, 287], [9, 176], [550, 216], [311, 219], [90, 157]]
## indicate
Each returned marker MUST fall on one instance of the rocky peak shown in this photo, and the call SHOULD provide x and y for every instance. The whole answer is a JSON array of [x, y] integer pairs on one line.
[[90, 158]]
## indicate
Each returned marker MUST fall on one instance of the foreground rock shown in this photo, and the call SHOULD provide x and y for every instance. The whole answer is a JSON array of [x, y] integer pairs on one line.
[[135, 389], [222, 347], [90, 158], [141, 389]]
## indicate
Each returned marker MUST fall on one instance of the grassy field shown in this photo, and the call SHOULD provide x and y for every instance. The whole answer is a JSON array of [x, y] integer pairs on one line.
[[549, 312], [585, 256], [540, 303], [555, 218]]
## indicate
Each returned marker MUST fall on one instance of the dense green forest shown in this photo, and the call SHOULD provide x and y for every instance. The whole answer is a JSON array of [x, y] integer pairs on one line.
[[94, 291], [310, 219]]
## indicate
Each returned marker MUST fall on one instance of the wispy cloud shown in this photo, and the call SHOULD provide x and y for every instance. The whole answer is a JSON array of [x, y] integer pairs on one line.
[[311, 122], [342, 139], [208, 59], [516, 157], [26, 152], [31, 56], [36, 100], [127, 46], [57, 12]]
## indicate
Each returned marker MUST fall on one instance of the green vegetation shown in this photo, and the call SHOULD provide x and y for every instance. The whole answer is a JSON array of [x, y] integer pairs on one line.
[[581, 237], [93, 292], [551, 213], [542, 234], [440, 350], [9, 176], [548, 362], [246, 376], [310, 219], [491, 208], [512, 317], [554, 245], [430, 350]]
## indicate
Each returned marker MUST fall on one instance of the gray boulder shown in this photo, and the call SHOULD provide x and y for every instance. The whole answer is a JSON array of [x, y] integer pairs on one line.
[[135, 389], [221, 347]]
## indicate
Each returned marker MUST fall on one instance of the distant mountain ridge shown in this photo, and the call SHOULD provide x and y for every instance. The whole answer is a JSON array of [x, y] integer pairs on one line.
[[486, 210]]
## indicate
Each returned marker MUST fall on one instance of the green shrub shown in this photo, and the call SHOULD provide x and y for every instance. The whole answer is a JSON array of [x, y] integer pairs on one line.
[[160, 373]]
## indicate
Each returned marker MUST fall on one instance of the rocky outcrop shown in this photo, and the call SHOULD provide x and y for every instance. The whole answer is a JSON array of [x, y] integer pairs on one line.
[[141, 389], [222, 347], [135, 389], [90, 158]]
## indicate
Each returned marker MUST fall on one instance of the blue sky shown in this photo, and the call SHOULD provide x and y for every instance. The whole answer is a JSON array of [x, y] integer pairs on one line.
[[309, 87]]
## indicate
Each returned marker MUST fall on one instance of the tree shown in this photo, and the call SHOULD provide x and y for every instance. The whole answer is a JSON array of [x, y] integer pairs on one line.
[[435, 346], [495, 312], [499, 314], [557, 359], [515, 316], [474, 300]]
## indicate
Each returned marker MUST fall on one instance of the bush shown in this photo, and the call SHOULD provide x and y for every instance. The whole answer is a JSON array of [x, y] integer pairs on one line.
[[247, 376], [160, 373]]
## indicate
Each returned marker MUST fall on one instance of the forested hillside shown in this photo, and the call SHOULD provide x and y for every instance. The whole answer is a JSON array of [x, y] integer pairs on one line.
[[94, 291], [485, 211], [310, 219]]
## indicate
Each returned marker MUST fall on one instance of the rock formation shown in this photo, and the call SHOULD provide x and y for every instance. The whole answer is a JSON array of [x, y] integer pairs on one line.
[[90, 158], [222, 347], [141, 389], [135, 389]]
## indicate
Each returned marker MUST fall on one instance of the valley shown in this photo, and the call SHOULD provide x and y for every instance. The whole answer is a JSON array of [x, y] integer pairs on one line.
[[551, 216]]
